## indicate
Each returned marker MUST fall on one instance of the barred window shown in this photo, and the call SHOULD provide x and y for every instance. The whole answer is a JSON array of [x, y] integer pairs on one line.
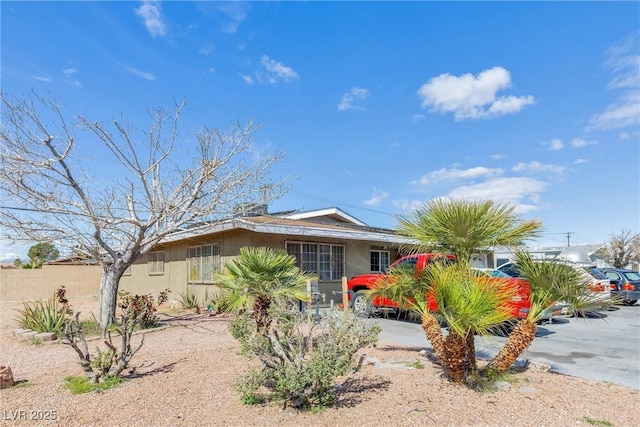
[[379, 261], [325, 260], [202, 263], [155, 263]]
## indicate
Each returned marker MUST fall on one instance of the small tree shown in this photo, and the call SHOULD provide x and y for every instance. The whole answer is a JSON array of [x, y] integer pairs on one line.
[[158, 182], [44, 252], [623, 248]]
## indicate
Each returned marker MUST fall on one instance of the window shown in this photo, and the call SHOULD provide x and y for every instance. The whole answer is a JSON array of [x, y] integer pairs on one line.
[[202, 262], [323, 259], [379, 261], [155, 263]]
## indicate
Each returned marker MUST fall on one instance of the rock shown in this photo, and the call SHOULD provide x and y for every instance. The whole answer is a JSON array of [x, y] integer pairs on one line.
[[18, 332], [527, 389], [28, 336], [6, 377], [45, 336], [502, 384]]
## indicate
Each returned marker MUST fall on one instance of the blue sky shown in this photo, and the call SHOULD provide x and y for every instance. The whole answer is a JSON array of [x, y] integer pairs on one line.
[[379, 106]]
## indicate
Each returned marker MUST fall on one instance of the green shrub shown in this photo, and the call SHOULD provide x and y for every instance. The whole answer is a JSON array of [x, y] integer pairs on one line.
[[189, 299], [142, 308], [300, 358], [47, 315], [82, 384]]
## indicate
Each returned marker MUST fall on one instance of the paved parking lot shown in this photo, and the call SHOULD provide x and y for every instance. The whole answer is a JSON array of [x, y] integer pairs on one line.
[[600, 349]]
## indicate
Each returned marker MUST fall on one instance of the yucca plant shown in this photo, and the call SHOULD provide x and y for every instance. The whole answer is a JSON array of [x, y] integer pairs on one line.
[[44, 316], [189, 299]]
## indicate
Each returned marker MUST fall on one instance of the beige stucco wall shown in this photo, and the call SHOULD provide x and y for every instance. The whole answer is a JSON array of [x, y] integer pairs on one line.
[[23, 285], [357, 257]]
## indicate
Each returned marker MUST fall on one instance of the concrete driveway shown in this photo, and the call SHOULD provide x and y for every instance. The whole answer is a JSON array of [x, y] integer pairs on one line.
[[599, 349]]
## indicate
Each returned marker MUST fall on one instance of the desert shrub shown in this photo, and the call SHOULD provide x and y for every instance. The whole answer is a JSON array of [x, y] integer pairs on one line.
[[142, 307], [105, 366], [47, 315], [189, 299], [300, 358]]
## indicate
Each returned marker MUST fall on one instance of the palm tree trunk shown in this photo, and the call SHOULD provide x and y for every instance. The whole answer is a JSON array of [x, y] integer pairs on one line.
[[471, 353], [455, 351], [431, 328], [518, 341], [261, 313]]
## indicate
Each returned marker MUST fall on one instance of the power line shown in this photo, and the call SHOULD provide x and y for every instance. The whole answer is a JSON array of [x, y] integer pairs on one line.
[[568, 234]]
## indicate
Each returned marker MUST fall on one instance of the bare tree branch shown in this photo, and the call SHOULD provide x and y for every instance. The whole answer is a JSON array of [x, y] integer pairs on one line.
[[50, 192]]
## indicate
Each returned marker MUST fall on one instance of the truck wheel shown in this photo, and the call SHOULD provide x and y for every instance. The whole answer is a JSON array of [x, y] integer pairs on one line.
[[361, 304]]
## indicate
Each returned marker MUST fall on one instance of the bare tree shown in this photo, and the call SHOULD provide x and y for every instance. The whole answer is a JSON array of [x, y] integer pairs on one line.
[[623, 248], [159, 183]]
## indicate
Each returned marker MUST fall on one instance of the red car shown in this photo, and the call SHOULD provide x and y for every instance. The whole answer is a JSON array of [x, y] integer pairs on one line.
[[360, 302]]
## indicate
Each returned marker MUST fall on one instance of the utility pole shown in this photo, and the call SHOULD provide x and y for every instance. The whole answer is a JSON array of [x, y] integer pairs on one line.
[[568, 234]]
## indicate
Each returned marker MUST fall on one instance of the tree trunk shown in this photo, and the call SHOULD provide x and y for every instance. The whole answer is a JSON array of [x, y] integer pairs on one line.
[[455, 351], [471, 365], [518, 341], [108, 296], [431, 328]]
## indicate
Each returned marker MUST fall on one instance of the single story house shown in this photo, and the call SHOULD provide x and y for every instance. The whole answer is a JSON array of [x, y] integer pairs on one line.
[[328, 242]]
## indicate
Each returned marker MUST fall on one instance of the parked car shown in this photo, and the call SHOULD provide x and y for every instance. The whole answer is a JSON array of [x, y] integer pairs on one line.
[[599, 285], [625, 285], [558, 308], [360, 302]]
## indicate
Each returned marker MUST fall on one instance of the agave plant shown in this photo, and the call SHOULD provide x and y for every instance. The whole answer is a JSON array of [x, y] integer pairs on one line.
[[44, 316]]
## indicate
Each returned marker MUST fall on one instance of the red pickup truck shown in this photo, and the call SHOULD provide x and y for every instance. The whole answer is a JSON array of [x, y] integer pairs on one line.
[[360, 302]]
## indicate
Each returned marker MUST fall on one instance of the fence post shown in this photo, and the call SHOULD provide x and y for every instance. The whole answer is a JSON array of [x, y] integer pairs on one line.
[[345, 297]]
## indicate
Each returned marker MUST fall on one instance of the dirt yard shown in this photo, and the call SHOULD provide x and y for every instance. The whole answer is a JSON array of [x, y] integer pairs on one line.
[[184, 375]]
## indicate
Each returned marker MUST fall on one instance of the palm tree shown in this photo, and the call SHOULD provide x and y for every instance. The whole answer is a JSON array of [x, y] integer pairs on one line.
[[409, 289], [469, 304], [464, 227], [550, 281], [258, 278]]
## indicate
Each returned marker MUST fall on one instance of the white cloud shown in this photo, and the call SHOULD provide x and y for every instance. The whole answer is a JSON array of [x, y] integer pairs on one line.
[[624, 63], [453, 174], [554, 145], [145, 75], [277, 70], [580, 161], [417, 117], [236, 11], [377, 198], [206, 49], [471, 97], [151, 14], [498, 156], [69, 73], [42, 79], [517, 191], [351, 99], [537, 167], [247, 79], [581, 142]]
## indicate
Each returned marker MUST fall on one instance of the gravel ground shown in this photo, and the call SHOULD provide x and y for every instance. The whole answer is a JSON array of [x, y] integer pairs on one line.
[[184, 375]]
